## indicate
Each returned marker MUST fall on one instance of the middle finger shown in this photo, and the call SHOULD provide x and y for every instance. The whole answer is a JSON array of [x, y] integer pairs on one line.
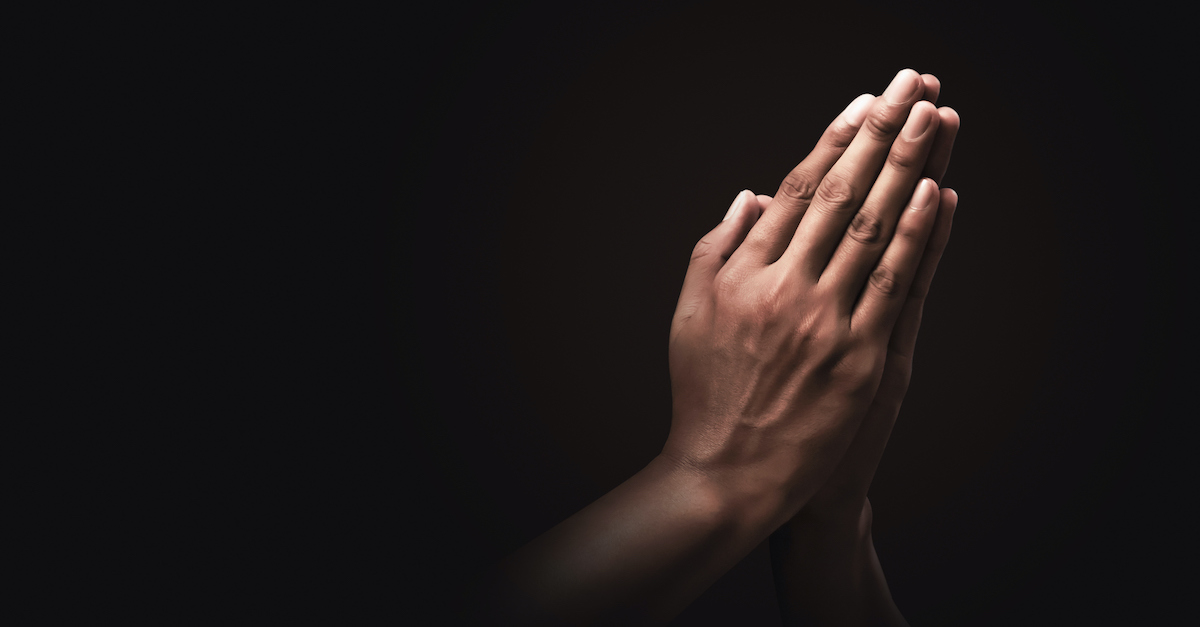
[[871, 229], [843, 189]]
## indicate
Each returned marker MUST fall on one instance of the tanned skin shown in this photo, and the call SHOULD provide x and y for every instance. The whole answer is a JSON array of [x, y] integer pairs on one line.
[[790, 352]]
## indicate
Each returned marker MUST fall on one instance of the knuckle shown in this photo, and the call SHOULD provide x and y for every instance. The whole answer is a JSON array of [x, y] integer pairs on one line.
[[839, 135], [809, 329], [884, 122], [702, 249], [904, 156], [771, 300], [728, 283], [857, 369], [909, 229], [836, 193], [798, 186], [865, 228], [885, 281], [827, 337], [908, 232]]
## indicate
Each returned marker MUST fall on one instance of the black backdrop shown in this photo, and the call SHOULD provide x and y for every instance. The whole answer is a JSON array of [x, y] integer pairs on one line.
[[568, 158], [447, 332]]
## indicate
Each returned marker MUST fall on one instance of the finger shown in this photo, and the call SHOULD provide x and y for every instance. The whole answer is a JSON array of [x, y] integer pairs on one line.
[[714, 249], [933, 87], [943, 144], [854, 473], [840, 193], [770, 236], [871, 229], [904, 335], [887, 289], [720, 243]]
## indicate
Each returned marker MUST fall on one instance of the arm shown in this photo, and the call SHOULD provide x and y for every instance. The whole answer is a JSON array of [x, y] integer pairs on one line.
[[825, 566], [827, 573], [639, 554], [776, 349]]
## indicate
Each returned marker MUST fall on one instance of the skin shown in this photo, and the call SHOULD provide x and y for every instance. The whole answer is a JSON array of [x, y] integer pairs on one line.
[[825, 566], [786, 372]]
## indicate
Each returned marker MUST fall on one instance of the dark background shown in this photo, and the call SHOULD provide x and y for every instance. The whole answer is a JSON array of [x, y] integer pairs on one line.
[[573, 156], [381, 296]]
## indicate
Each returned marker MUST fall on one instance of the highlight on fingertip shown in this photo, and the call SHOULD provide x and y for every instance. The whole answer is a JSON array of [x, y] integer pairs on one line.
[[904, 86], [856, 112], [923, 196], [738, 202]]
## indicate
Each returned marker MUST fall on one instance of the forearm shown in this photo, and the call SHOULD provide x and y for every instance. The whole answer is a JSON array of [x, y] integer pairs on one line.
[[775, 356], [827, 572], [639, 554]]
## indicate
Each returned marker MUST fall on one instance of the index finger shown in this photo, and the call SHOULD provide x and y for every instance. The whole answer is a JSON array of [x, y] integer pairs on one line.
[[842, 191], [770, 236]]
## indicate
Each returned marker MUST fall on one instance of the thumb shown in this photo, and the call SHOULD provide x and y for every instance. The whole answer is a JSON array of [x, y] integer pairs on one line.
[[713, 250]]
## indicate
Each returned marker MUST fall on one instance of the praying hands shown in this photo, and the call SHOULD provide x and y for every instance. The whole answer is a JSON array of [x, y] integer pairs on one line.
[[790, 353]]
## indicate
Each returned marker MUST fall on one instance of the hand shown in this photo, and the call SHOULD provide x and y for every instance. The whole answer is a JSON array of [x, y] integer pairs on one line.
[[825, 565], [776, 350], [781, 334], [846, 491]]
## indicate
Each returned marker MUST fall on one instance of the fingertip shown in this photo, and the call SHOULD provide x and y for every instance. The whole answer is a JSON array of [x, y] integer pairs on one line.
[[925, 108], [922, 118], [739, 201], [949, 116], [857, 110], [904, 86], [763, 201], [750, 204], [948, 201], [933, 86], [925, 196]]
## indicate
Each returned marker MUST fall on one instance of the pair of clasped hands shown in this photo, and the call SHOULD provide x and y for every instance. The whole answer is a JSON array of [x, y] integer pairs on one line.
[[790, 353]]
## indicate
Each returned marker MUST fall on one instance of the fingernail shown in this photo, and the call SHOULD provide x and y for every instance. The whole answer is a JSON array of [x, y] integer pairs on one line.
[[736, 206], [904, 86], [919, 120], [923, 196], [856, 112]]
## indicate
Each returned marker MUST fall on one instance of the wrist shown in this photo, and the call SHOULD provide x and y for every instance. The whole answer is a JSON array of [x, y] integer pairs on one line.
[[740, 498]]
